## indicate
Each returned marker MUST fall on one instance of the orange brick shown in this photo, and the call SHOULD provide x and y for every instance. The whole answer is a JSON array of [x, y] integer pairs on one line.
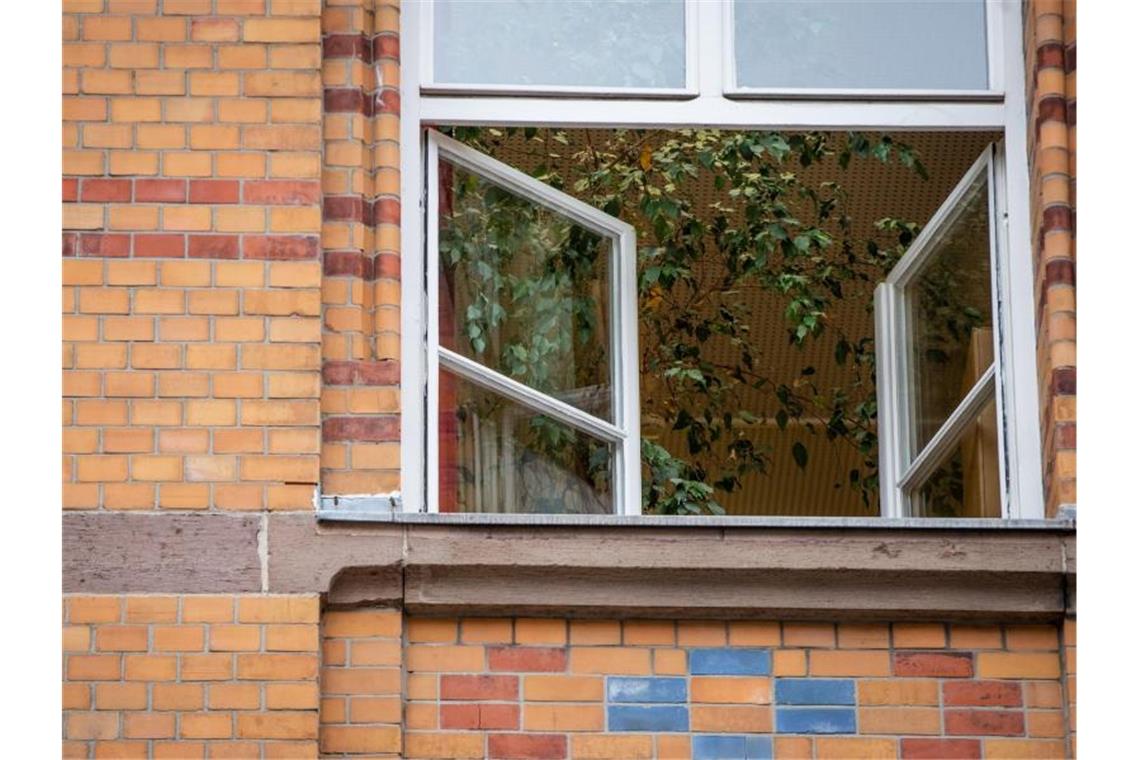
[[425, 686], [809, 635], [899, 691], [179, 638], [1042, 637], [279, 725], [753, 633], [448, 745], [93, 667], [445, 659], [177, 696], [234, 696], [1018, 665], [76, 638], [92, 725], [730, 690], [850, 663], [591, 632], [919, 635], [93, 609], [149, 667], [281, 30], [552, 717], [485, 630], [731, 719], [121, 638], [789, 662], [76, 696], [293, 638], [148, 725], [205, 725], [183, 496], [279, 609], [793, 747], [206, 667], [864, 636], [611, 747], [557, 688], [120, 696], [229, 638], [701, 633], [1021, 749], [900, 720], [850, 748], [610, 660], [376, 653], [293, 696]]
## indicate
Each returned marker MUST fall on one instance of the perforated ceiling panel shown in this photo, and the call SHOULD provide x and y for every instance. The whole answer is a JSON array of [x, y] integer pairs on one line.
[[874, 191]]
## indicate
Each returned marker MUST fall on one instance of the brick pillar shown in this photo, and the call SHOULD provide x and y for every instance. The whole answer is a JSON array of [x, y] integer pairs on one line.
[[360, 396], [1051, 69]]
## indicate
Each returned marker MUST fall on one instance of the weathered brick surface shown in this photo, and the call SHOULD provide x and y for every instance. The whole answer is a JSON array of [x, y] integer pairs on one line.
[[188, 676], [1051, 62], [481, 687], [191, 271]]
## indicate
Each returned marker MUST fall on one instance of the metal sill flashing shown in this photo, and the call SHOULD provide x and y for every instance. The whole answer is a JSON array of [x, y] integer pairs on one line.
[[354, 511]]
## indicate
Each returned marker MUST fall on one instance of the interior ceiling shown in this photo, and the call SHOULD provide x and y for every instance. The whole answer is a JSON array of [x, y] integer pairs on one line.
[[874, 191]]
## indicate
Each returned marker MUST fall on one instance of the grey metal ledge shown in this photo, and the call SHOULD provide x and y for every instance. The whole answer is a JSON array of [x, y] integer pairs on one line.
[[695, 522]]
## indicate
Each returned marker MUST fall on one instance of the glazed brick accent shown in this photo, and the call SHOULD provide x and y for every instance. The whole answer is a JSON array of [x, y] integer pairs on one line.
[[1051, 60], [360, 239], [192, 273], [361, 703], [547, 688], [190, 676]]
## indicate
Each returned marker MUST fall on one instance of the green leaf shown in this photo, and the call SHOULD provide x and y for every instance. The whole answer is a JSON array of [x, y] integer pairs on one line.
[[800, 454]]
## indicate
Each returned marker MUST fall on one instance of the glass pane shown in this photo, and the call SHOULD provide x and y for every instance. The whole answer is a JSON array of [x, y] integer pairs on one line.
[[498, 456], [861, 44], [586, 43], [524, 291], [951, 319], [967, 483]]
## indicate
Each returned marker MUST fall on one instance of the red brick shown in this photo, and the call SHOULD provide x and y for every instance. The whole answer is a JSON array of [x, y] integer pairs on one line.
[[941, 749], [70, 189], [526, 746], [160, 245], [213, 191], [982, 693], [479, 716], [99, 244], [282, 192], [212, 246], [279, 247], [940, 665], [984, 722], [478, 687], [98, 190], [531, 659], [161, 190]]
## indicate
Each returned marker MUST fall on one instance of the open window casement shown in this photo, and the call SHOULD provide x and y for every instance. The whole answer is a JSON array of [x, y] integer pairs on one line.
[[532, 385], [939, 325]]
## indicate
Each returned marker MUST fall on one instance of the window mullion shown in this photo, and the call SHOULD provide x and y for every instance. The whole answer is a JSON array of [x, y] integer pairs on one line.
[[927, 460]]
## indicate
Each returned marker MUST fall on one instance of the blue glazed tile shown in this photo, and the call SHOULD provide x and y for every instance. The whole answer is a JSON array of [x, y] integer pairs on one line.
[[732, 747], [642, 690], [648, 718], [730, 662], [815, 720], [815, 691]]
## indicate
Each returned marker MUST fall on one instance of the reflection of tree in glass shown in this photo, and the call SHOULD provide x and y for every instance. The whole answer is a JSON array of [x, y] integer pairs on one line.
[[768, 229]]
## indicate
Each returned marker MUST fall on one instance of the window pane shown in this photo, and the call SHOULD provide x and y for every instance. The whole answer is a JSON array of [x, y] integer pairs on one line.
[[498, 456], [950, 317], [524, 291], [593, 43], [967, 483], [861, 44]]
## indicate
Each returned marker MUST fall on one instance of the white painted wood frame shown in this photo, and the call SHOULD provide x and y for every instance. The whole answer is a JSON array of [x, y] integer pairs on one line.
[[624, 433], [1001, 108]]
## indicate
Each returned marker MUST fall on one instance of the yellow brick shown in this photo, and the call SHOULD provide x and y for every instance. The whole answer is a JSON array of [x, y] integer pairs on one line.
[[1018, 665], [480, 630], [214, 137], [734, 719], [185, 273], [84, 216], [730, 690], [161, 29], [611, 747], [281, 30], [919, 635], [443, 658], [188, 56], [132, 163], [303, 219], [161, 136], [241, 164], [135, 56], [610, 660], [850, 663], [187, 164], [850, 748], [160, 83], [239, 219], [245, 56], [136, 109]]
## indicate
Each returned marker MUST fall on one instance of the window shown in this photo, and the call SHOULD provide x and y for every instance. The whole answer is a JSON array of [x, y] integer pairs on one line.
[[939, 348], [958, 423], [532, 297], [931, 46]]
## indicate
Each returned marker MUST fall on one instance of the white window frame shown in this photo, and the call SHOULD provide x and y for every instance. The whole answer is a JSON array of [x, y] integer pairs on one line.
[[904, 467], [624, 433], [808, 109]]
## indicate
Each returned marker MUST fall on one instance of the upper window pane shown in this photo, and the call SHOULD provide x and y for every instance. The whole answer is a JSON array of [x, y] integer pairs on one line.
[[951, 315], [587, 43], [861, 44], [524, 291]]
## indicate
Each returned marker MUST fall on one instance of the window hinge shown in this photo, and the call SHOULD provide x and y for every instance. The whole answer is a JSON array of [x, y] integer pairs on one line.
[[372, 503]]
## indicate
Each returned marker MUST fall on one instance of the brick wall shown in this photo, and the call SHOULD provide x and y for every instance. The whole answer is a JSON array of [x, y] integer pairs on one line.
[[677, 689], [192, 216], [1051, 64], [190, 676]]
